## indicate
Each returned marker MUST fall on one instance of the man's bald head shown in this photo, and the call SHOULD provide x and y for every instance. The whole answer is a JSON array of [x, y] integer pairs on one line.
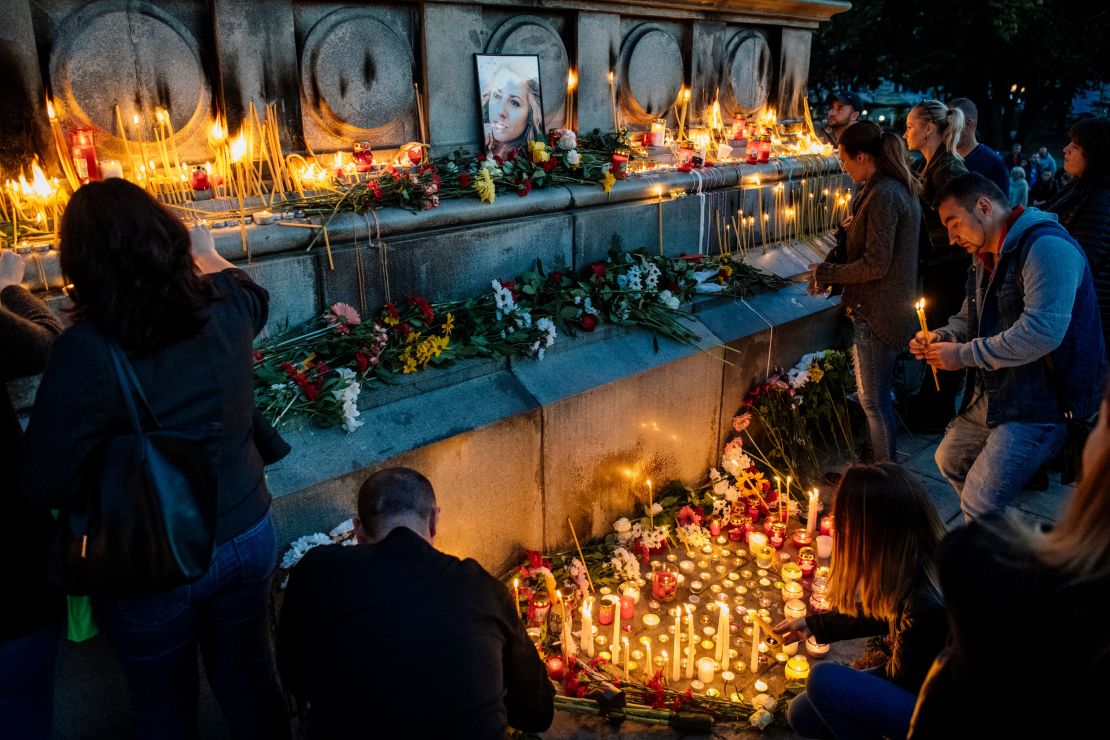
[[397, 497]]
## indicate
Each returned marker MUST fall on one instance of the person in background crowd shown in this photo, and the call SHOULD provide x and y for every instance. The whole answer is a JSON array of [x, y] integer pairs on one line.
[[31, 622], [345, 608], [934, 129], [1047, 161], [978, 157], [1084, 205], [1044, 190], [1019, 188], [186, 318], [981, 686], [1032, 170], [883, 582], [1030, 337], [880, 269], [844, 110], [1015, 157]]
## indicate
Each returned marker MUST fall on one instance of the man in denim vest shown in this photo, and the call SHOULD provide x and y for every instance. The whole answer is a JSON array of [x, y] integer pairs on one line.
[[1029, 335]]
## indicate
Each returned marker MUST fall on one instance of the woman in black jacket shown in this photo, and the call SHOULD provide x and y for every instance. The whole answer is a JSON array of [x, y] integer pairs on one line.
[[30, 624], [186, 318], [1084, 205], [882, 583]]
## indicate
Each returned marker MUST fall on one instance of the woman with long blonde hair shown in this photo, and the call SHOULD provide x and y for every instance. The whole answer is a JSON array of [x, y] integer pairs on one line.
[[882, 583], [1029, 609]]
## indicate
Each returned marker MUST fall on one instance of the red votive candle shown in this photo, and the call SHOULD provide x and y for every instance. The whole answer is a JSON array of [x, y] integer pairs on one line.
[[778, 535], [714, 525], [83, 149], [802, 538], [807, 559], [828, 525], [556, 668], [605, 612]]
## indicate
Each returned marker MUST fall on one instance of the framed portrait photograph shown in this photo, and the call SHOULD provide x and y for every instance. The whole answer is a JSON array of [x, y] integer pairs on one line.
[[510, 101]]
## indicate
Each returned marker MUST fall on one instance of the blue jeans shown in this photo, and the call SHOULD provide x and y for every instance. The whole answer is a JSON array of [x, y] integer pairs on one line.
[[874, 360], [988, 467], [846, 704], [27, 683], [226, 614]]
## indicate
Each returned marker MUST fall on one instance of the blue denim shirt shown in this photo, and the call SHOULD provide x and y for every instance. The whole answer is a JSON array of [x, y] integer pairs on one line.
[[1032, 329]]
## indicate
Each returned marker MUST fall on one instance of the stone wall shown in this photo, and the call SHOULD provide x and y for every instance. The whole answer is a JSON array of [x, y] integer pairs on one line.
[[514, 448]]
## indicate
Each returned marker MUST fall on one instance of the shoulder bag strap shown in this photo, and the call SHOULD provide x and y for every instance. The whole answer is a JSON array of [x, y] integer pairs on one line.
[[131, 386]]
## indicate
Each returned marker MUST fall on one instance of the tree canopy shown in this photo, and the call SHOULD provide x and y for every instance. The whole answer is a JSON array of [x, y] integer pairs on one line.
[[980, 49]]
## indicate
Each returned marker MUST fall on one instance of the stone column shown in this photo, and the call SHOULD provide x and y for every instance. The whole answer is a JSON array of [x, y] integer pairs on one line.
[[793, 71], [24, 130], [707, 53], [452, 35], [258, 61], [599, 38]]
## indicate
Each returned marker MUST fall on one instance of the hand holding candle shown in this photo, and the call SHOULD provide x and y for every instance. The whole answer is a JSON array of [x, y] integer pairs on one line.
[[925, 334]]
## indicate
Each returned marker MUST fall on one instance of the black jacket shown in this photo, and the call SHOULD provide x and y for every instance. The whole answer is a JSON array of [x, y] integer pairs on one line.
[[944, 166], [410, 639], [1084, 210], [204, 378], [919, 633], [27, 328], [1030, 654]]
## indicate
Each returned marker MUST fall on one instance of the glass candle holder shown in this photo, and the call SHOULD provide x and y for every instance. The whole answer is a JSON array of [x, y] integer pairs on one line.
[[629, 595], [778, 535], [828, 525], [756, 540], [792, 590], [769, 521], [714, 525], [824, 546], [807, 559], [765, 555], [802, 538], [791, 572], [605, 610], [794, 609], [541, 605], [797, 668], [664, 583]]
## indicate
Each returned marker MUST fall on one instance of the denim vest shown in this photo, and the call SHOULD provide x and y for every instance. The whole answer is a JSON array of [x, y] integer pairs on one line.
[[1071, 378]]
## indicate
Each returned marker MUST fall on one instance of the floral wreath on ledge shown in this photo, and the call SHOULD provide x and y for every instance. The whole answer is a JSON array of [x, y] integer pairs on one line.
[[319, 368]]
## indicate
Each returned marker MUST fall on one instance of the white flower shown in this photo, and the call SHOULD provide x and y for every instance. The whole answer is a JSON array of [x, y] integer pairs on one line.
[[348, 395], [573, 157], [567, 140], [695, 536], [669, 300], [589, 308], [278, 386], [547, 326], [714, 474], [625, 565], [300, 546], [655, 538], [622, 525], [722, 508], [651, 277], [656, 508], [761, 719], [342, 529]]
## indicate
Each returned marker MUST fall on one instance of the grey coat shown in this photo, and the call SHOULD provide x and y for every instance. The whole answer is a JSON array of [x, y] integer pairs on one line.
[[880, 273]]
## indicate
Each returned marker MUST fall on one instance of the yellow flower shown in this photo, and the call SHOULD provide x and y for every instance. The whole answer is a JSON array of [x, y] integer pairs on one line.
[[536, 146], [540, 156], [815, 374], [607, 181], [392, 320], [448, 325], [412, 337], [483, 183], [410, 363], [307, 363]]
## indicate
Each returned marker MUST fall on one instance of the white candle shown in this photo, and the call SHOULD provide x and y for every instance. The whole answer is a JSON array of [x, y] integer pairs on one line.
[[587, 629], [725, 631], [706, 669], [627, 657], [617, 631], [666, 662], [824, 546], [811, 517], [677, 644], [755, 539], [691, 645], [649, 668], [111, 168], [754, 663]]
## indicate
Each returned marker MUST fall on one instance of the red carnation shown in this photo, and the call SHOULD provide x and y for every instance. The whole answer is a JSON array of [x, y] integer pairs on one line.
[[362, 359], [524, 187], [598, 269], [589, 322], [257, 356], [550, 165], [404, 328], [556, 278], [464, 180]]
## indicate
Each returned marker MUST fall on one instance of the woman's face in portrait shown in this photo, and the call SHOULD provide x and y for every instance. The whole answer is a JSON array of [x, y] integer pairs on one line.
[[917, 132], [508, 106]]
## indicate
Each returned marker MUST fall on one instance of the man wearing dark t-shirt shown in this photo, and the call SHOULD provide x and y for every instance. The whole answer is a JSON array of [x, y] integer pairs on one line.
[[979, 157], [395, 638]]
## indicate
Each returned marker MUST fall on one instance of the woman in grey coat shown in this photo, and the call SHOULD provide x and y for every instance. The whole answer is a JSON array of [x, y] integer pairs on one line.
[[879, 271]]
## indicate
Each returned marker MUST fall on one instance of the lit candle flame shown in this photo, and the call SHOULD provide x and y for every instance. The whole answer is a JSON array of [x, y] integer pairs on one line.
[[612, 77], [39, 182], [572, 80], [238, 147], [920, 305], [50, 109], [217, 130]]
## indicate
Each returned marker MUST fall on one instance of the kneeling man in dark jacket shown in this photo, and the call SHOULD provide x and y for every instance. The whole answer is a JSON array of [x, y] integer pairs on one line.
[[396, 638]]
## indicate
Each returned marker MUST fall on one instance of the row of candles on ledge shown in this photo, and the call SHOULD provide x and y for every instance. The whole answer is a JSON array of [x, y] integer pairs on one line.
[[618, 611]]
